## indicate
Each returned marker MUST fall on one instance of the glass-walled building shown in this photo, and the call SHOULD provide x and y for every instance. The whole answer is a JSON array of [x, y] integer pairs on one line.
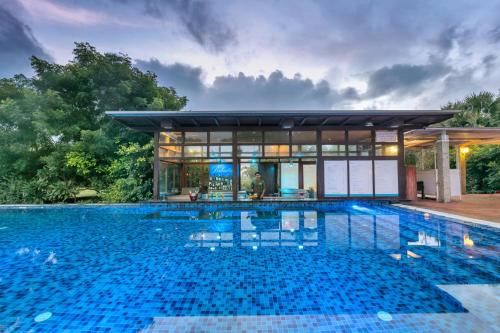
[[299, 154]]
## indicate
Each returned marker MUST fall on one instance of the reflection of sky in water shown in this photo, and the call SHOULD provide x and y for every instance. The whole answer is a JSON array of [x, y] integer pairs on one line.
[[107, 266]]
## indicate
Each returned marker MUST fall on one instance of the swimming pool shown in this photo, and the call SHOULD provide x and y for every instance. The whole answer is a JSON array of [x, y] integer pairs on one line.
[[230, 267]]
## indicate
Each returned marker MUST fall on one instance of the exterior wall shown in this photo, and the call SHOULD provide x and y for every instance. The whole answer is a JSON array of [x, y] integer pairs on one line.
[[429, 177], [376, 166]]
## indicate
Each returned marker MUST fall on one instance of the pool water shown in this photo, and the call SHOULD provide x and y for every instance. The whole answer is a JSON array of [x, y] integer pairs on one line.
[[314, 266]]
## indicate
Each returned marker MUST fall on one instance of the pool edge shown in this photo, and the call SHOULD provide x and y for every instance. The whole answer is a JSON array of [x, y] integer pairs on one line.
[[460, 218]]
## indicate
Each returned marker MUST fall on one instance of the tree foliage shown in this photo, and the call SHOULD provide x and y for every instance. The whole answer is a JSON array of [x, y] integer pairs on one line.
[[483, 161], [483, 169], [56, 139], [476, 110]]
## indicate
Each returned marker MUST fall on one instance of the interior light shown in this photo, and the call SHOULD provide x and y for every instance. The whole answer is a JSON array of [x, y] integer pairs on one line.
[[393, 149], [212, 249], [287, 124], [464, 150], [369, 124], [301, 247], [254, 247], [167, 124]]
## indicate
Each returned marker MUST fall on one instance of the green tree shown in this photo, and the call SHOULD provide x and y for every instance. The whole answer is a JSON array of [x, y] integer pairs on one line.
[[476, 110], [55, 136], [483, 161], [483, 169]]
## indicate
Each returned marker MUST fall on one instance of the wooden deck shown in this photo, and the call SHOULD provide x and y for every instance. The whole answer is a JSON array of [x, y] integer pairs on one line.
[[478, 206]]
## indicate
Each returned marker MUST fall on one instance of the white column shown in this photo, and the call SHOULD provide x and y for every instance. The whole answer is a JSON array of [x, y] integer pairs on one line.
[[443, 168]]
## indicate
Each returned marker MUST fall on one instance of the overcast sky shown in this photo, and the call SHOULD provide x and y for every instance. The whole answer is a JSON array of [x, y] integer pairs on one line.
[[275, 54]]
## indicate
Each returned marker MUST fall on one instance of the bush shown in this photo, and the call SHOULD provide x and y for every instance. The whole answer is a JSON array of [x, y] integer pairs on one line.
[[483, 169]]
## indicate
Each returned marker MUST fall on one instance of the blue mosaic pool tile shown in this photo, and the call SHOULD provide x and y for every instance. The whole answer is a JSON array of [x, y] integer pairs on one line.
[[279, 267]]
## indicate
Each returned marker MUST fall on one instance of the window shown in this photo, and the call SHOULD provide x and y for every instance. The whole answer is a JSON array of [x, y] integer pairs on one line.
[[221, 137], [195, 151], [170, 151], [249, 137], [221, 151], [333, 150], [303, 150], [333, 143], [386, 136], [171, 137], [360, 143], [250, 150], [276, 137], [276, 150], [196, 137], [304, 137], [386, 149], [169, 179], [196, 176], [329, 137]]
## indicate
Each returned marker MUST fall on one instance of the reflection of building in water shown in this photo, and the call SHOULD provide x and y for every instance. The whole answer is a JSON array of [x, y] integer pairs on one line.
[[279, 228], [426, 240], [211, 239], [256, 229], [298, 228], [362, 231]]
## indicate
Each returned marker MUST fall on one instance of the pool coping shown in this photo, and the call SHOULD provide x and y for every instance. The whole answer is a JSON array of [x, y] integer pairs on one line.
[[198, 203], [460, 218]]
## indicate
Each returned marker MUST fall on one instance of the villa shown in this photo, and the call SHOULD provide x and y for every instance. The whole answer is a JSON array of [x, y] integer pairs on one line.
[[302, 154]]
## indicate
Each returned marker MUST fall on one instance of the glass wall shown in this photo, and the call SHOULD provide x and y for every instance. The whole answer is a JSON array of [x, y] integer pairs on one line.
[[287, 159], [170, 176], [333, 143], [359, 143], [386, 143]]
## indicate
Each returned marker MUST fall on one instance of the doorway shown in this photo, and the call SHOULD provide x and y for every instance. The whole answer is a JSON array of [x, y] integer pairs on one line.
[[269, 175]]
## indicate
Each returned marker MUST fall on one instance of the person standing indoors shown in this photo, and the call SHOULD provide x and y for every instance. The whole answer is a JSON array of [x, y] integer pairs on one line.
[[258, 186]]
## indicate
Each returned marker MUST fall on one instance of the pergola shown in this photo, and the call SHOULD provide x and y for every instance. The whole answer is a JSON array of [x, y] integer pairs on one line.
[[442, 138]]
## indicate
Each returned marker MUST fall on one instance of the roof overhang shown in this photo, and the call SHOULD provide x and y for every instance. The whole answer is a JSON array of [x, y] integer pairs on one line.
[[150, 121], [461, 136]]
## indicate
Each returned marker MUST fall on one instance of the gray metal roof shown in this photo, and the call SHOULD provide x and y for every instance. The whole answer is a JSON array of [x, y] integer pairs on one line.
[[149, 121]]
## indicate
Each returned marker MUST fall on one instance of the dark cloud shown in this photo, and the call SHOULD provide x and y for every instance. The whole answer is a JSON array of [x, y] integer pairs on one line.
[[403, 78], [456, 35], [274, 91], [489, 62], [447, 37], [198, 18], [241, 91], [494, 34], [185, 79], [17, 45]]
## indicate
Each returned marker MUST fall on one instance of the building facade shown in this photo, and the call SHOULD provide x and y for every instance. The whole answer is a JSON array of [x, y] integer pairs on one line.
[[299, 154]]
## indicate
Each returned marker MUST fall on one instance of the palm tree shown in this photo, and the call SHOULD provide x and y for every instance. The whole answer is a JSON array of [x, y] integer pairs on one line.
[[477, 110]]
